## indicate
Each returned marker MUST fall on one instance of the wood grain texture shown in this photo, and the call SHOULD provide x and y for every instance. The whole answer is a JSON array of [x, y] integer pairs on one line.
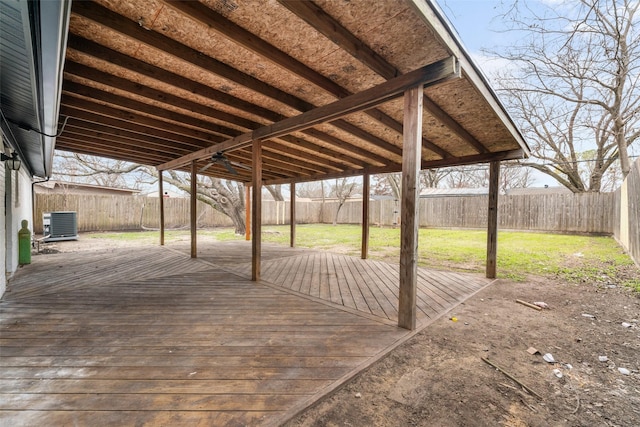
[[256, 211], [366, 193], [411, 143], [161, 206], [153, 337], [292, 215], [492, 220], [590, 213], [193, 211]]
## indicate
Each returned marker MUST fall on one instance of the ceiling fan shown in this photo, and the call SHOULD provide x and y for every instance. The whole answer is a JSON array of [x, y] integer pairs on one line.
[[220, 158]]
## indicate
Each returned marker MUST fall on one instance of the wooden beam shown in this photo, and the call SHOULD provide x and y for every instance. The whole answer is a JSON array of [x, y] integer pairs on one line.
[[71, 88], [429, 75], [120, 59], [193, 209], [444, 118], [466, 160], [292, 215], [74, 89], [166, 135], [134, 117], [256, 215], [366, 194], [83, 71], [105, 17], [255, 44], [247, 212], [123, 136], [123, 25], [324, 23], [409, 209], [492, 219], [161, 195], [107, 146], [316, 162], [321, 21]]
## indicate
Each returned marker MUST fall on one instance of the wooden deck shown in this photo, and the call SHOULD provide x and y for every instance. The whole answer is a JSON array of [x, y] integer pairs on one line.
[[365, 286], [152, 337]]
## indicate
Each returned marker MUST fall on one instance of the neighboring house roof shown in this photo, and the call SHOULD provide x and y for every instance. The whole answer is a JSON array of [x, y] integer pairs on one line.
[[167, 193], [537, 190], [382, 197], [79, 188], [33, 36], [453, 192]]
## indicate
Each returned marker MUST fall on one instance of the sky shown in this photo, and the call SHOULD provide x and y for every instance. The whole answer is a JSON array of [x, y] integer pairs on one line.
[[474, 21], [478, 24]]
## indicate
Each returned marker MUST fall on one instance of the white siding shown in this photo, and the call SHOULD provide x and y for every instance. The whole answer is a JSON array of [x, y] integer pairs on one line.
[[18, 206]]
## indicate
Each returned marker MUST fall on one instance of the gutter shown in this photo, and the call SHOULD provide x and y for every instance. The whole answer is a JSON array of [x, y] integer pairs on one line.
[[52, 32]]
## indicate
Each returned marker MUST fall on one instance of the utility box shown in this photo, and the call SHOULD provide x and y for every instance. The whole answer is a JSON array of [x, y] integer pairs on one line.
[[58, 226]]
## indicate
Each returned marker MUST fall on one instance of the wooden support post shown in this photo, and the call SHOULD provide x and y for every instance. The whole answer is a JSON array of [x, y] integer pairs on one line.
[[411, 146], [492, 219], [366, 194], [292, 215], [161, 194], [193, 212], [256, 216], [247, 212]]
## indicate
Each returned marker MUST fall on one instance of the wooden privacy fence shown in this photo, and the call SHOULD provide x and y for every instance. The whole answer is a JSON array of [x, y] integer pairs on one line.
[[627, 213], [122, 213], [561, 213], [564, 213]]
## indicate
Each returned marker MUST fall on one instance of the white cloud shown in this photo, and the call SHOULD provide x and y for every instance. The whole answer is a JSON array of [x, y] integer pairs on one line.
[[491, 65]]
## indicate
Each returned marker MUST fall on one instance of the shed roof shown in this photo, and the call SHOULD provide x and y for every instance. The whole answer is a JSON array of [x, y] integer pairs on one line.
[[530, 191], [453, 192], [154, 81], [72, 186]]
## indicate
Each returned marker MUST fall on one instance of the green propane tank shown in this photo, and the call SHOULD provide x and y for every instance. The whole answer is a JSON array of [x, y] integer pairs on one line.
[[24, 244]]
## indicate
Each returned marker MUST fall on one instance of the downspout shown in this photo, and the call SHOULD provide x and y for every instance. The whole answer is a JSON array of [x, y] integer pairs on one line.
[[33, 202]]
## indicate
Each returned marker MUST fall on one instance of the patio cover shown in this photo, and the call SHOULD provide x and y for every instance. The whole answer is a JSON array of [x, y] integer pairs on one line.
[[153, 82]]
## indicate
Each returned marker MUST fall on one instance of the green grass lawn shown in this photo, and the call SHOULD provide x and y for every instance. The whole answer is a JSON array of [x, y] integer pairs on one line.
[[571, 258]]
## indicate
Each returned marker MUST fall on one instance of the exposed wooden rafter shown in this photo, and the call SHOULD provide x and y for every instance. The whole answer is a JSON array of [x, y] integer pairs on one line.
[[237, 34], [144, 82], [131, 29], [431, 74], [331, 28]]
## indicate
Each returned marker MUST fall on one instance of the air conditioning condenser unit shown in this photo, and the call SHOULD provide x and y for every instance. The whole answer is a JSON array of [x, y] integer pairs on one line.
[[58, 226]]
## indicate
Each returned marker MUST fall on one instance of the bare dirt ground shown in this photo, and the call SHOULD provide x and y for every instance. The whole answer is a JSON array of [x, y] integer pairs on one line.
[[438, 378]]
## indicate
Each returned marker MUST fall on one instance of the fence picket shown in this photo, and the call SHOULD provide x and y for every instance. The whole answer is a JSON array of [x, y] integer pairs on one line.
[[565, 213]]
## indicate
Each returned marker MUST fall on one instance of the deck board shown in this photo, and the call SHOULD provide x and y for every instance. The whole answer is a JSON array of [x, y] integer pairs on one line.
[[363, 285], [153, 337]]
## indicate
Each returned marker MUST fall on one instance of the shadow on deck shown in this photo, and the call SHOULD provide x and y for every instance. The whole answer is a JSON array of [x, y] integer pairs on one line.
[[152, 337]]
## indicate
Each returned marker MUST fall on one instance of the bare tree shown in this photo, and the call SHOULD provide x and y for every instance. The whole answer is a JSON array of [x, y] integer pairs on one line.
[[476, 176], [514, 175], [276, 192], [222, 195], [387, 185], [311, 190], [433, 178], [342, 190], [575, 85], [96, 170]]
